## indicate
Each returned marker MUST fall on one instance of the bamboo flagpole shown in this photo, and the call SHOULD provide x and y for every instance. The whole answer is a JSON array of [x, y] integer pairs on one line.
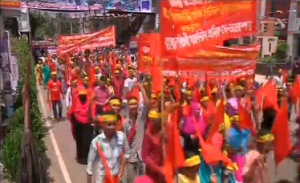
[[162, 108]]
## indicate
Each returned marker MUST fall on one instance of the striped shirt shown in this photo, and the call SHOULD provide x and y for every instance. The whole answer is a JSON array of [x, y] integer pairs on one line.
[[112, 150], [136, 142]]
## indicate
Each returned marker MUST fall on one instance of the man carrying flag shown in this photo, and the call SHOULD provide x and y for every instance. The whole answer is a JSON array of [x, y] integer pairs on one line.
[[105, 160]]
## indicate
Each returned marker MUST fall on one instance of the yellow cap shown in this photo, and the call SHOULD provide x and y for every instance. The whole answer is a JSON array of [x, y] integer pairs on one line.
[[96, 67], [86, 78], [117, 71], [206, 98], [192, 161], [242, 79], [53, 73], [74, 82], [215, 90]]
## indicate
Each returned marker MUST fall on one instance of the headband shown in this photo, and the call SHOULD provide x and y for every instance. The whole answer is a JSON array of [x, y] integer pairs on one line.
[[265, 138], [153, 95], [107, 118], [132, 101], [192, 161], [215, 90], [206, 98], [82, 92], [115, 102], [154, 114], [234, 118], [188, 92], [238, 87]]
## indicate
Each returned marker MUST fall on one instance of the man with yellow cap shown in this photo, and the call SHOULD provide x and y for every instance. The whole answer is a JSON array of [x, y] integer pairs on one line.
[[83, 131], [188, 173], [134, 127], [114, 149], [55, 95]]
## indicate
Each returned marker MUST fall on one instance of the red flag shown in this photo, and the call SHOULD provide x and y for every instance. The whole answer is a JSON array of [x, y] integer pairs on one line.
[[174, 156], [282, 136], [268, 92], [218, 119], [207, 88], [211, 153], [156, 80], [245, 118], [155, 45]]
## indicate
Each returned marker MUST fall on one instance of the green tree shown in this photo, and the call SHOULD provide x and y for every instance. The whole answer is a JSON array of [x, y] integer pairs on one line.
[[281, 50]]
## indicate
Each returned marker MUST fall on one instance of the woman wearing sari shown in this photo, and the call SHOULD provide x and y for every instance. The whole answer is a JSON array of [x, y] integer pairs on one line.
[[39, 72]]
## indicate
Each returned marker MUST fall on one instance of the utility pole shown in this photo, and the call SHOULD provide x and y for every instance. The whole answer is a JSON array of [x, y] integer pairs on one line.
[[71, 26]]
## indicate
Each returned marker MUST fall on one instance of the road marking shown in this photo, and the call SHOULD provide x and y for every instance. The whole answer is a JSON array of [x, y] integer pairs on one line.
[[61, 162]]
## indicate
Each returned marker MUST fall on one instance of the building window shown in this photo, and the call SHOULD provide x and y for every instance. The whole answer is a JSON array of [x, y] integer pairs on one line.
[[265, 29], [270, 47], [271, 39]]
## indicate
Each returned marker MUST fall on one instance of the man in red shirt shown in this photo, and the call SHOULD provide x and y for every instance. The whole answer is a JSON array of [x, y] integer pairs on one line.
[[118, 83], [55, 95]]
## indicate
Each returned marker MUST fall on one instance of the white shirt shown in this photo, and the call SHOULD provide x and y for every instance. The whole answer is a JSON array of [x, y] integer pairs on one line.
[[43, 59], [129, 83], [112, 150], [68, 97]]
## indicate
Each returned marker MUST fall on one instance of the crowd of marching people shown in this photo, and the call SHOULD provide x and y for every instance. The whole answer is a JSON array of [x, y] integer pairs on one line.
[[130, 126]]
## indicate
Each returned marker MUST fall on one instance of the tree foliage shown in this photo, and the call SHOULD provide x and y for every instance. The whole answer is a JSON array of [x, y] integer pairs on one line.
[[12, 142], [281, 50]]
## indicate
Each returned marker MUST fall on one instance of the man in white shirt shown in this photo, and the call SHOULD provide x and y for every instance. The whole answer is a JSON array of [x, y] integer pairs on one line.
[[128, 86]]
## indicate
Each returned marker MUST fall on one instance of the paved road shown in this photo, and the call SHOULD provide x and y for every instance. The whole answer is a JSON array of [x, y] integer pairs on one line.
[[76, 172]]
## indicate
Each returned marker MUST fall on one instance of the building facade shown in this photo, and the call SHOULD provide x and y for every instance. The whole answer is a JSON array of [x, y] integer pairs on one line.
[[294, 31]]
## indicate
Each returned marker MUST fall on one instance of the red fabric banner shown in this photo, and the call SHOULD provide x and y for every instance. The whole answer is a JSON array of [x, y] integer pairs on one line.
[[189, 26], [145, 60], [102, 38]]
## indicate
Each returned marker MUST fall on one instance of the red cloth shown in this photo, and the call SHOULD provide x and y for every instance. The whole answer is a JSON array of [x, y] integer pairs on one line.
[[142, 179], [152, 155], [81, 111], [52, 66], [55, 89]]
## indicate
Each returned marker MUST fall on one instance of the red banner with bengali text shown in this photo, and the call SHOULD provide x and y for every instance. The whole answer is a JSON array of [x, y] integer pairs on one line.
[[145, 60], [80, 42], [189, 26]]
